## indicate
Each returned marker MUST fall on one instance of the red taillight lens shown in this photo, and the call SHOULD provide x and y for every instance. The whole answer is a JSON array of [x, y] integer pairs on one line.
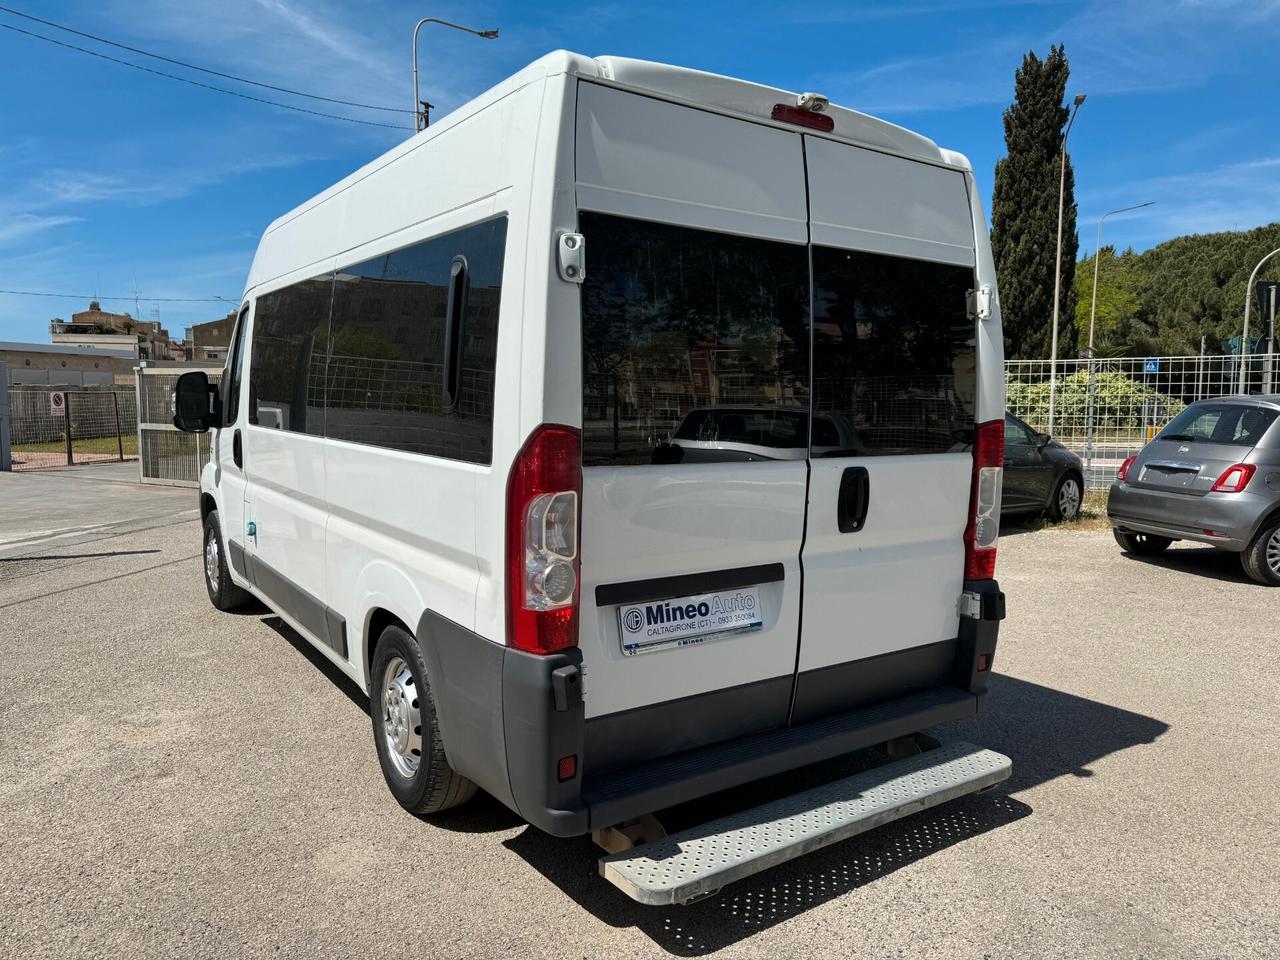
[[1234, 479], [803, 118], [983, 531], [1123, 472], [543, 492]]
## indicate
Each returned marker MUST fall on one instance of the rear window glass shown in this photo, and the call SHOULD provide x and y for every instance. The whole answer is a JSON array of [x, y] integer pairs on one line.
[[894, 352], [695, 345], [1230, 423]]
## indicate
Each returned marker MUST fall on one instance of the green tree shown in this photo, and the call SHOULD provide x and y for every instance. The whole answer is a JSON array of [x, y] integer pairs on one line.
[[1024, 212]]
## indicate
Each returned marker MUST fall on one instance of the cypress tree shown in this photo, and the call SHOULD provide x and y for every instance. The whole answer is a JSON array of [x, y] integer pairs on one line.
[[1024, 212]]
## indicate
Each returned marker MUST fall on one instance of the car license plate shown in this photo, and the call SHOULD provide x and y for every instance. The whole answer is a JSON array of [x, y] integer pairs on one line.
[[682, 621]]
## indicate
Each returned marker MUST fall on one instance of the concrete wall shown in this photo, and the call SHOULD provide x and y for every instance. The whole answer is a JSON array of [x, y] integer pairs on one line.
[[56, 369]]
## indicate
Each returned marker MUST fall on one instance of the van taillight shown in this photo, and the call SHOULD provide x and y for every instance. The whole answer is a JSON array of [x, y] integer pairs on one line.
[[983, 531], [543, 493], [803, 118], [1234, 479], [1123, 473]]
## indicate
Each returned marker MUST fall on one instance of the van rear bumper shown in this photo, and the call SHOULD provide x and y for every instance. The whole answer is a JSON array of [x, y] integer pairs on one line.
[[507, 718]]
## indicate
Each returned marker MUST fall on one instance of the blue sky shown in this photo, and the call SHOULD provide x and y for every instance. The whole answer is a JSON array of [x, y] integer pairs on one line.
[[110, 177]]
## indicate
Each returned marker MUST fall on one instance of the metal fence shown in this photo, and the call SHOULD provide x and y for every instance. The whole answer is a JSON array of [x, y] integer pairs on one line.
[[165, 454], [1108, 409], [60, 426]]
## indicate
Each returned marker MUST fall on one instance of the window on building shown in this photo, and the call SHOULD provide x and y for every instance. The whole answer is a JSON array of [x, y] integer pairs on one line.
[[386, 381], [695, 345]]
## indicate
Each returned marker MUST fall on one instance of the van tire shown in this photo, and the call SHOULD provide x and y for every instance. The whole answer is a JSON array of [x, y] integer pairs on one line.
[[223, 594], [1141, 544], [1255, 561], [406, 729]]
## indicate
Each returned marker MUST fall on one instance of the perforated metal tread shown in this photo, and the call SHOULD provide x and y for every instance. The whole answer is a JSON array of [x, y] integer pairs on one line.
[[703, 859]]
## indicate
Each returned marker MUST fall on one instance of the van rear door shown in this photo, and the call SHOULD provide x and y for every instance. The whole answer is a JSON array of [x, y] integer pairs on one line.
[[895, 363], [694, 330]]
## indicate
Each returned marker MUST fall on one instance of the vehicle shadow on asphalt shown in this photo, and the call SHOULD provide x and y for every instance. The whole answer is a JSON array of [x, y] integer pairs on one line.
[[1208, 562], [1046, 732]]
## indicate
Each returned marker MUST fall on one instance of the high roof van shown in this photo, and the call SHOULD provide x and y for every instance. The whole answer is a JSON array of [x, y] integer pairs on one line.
[[629, 435]]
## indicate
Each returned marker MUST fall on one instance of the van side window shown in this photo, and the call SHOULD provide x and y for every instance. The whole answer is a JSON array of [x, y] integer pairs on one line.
[[286, 372], [695, 345], [894, 351], [386, 380], [231, 378]]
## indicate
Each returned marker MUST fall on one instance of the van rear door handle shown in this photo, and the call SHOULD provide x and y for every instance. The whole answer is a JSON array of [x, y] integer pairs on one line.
[[237, 449], [855, 496]]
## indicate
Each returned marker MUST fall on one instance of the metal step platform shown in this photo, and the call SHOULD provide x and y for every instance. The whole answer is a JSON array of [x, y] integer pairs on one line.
[[697, 862]]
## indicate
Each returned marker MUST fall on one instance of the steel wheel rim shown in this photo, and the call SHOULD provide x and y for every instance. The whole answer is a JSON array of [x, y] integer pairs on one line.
[[211, 565], [401, 718], [1273, 553], [1069, 499]]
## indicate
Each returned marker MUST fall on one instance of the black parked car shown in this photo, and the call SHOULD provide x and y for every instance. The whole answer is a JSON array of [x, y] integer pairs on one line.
[[1040, 475]]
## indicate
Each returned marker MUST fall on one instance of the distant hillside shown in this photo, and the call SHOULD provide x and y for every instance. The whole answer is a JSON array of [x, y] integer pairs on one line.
[[1161, 301]]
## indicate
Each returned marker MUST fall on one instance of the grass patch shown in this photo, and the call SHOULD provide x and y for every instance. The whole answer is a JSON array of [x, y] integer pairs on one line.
[[102, 446]]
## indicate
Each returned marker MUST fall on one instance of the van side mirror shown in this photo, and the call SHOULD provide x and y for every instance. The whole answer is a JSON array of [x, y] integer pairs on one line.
[[196, 406]]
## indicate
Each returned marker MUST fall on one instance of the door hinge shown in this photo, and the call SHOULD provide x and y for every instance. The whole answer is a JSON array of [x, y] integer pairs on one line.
[[981, 302], [572, 257], [971, 605]]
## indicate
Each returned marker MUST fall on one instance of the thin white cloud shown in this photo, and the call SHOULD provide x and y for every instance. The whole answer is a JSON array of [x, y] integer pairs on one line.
[[24, 226], [1114, 48]]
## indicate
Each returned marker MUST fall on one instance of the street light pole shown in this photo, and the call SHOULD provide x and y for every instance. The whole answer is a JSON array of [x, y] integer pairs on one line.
[[1248, 297], [1093, 314], [1097, 253], [1057, 263], [418, 110]]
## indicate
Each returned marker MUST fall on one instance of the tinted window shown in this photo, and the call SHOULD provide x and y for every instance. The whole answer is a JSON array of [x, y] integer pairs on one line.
[[695, 345], [894, 351], [231, 375], [386, 369], [1236, 424], [286, 375], [1017, 433]]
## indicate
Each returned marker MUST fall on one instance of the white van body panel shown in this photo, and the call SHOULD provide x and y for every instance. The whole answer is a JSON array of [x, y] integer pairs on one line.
[[644, 158], [864, 200]]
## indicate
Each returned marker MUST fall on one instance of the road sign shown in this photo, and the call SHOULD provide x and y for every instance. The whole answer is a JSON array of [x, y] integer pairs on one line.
[[58, 403], [1151, 365]]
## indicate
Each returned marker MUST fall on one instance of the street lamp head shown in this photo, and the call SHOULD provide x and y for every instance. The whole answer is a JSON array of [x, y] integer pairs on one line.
[[1079, 99], [489, 34]]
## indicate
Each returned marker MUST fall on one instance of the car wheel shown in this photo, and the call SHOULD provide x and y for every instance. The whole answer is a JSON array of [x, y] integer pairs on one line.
[[1261, 560], [1066, 499], [223, 594], [1142, 544], [406, 731]]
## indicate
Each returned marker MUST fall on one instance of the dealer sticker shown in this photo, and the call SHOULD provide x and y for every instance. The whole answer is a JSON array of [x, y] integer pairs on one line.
[[682, 621]]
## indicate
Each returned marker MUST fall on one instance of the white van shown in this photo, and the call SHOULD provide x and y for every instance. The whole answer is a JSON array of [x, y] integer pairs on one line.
[[629, 435]]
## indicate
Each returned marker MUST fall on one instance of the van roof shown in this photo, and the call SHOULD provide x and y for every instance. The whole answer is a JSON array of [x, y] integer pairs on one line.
[[696, 88], [681, 84]]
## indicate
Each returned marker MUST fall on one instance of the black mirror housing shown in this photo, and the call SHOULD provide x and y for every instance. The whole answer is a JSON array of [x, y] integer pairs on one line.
[[195, 403]]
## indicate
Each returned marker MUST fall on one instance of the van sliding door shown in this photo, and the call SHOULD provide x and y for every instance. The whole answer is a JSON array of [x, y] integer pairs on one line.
[[894, 379]]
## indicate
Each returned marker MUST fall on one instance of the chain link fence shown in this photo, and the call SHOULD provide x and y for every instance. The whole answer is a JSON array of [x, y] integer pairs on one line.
[[166, 454], [59, 426], [1107, 410]]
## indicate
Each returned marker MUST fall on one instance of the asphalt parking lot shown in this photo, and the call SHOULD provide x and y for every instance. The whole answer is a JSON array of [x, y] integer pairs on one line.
[[177, 780]]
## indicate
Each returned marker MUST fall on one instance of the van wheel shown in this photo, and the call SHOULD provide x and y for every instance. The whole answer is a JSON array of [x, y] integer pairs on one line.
[[1066, 499], [223, 594], [1142, 544], [406, 731], [1261, 559]]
